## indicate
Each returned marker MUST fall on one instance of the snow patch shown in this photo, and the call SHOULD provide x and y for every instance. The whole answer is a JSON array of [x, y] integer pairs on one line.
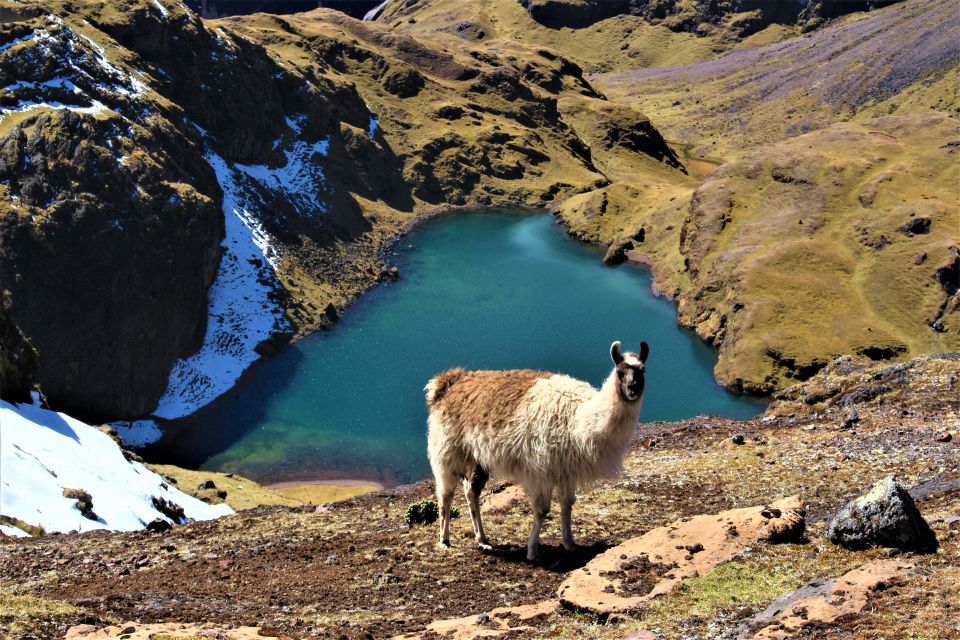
[[43, 452], [82, 71], [95, 108], [137, 433], [300, 180], [374, 13], [163, 9], [241, 313], [13, 532], [16, 41]]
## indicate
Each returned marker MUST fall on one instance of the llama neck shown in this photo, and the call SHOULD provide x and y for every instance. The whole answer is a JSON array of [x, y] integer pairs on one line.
[[607, 417]]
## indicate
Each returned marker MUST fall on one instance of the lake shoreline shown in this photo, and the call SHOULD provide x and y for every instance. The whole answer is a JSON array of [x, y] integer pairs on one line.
[[335, 482], [533, 244]]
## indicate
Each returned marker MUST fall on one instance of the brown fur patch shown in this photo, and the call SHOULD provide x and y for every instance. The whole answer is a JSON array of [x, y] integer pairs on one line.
[[482, 399], [442, 383]]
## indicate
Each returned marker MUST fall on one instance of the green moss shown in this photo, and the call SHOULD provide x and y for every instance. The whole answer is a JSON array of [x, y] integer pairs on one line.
[[733, 583], [19, 614], [425, 512]]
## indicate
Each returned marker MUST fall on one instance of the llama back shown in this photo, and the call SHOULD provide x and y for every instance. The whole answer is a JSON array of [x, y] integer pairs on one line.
[[510, 422]]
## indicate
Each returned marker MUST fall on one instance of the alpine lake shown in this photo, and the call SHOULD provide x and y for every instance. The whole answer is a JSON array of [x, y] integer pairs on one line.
[[484, 289]]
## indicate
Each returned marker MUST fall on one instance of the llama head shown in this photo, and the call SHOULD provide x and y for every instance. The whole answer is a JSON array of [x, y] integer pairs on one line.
[[630, 371]]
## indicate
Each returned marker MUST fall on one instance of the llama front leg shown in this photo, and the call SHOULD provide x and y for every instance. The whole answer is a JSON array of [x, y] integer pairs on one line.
[[540, 504], [471, 489], [567, 497]]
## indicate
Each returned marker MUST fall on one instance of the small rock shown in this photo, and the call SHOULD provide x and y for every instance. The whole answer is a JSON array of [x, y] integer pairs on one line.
[[393, 272], [332, 314], [130, 629], [207, 484], [483, 619], [641, 634], [738, 439], [920, 259], [885, 516], [852, 418], [916, 226], [158, 525], [945, 437], [617, 252]]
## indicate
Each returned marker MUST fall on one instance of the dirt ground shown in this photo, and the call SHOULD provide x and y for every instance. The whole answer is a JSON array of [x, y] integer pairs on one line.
[[356, 570]]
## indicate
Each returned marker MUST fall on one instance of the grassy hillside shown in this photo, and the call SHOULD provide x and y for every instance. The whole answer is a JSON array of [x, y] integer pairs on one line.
[[901, 59], [835, 242]]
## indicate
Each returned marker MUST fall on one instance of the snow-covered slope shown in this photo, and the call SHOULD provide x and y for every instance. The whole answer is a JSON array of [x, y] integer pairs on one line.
[[44, 453]]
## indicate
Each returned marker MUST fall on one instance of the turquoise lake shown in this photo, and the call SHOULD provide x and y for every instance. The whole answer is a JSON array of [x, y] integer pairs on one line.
[[481, 290]]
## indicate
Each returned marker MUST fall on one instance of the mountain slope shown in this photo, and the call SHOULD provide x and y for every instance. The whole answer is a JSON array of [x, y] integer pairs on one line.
[[230, 174], [720, 108]]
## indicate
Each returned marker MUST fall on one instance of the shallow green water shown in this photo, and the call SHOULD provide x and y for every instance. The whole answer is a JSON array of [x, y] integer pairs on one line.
[[491, 290]]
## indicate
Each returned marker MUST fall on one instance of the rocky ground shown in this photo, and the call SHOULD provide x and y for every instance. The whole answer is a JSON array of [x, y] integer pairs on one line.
[[355, 569]]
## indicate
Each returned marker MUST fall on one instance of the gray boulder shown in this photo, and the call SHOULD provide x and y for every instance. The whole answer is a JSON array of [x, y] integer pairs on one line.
[[883, 517]]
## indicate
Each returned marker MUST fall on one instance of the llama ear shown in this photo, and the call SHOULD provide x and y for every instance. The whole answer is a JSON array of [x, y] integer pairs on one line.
[[615, 352], [644, 352]]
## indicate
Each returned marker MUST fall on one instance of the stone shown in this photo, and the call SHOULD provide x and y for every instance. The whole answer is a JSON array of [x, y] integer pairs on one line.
[[641, 634], [158, 525], [821, 601], [662, 558], [503, 622], [852, 418], [405, 83], [503, 500], [945, 437], [207, 484], [617, 252], [885, 516], [738, 439], [916, 226]]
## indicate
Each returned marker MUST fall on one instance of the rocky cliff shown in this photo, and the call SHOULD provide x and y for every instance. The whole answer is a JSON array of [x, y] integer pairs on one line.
[[18, 360]]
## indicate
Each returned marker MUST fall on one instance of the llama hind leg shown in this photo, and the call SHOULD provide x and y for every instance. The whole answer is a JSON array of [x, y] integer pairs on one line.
[[567, 498], [472, 487], [540, 504], [445, 488]]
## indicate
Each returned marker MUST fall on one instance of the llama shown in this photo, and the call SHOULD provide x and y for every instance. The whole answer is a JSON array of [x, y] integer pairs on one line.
[[540, 430]]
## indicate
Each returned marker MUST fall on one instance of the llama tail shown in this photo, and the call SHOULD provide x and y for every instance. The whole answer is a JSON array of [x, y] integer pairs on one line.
[[440, 384]]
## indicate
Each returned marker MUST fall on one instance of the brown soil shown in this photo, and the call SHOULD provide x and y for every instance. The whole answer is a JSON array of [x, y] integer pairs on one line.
[[354, 569]]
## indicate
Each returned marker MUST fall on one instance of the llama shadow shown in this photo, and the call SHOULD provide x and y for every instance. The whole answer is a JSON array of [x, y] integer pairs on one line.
[[553, 558]]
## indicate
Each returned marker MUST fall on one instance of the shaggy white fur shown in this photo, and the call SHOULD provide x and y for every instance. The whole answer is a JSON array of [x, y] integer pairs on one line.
[[562, 434]]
